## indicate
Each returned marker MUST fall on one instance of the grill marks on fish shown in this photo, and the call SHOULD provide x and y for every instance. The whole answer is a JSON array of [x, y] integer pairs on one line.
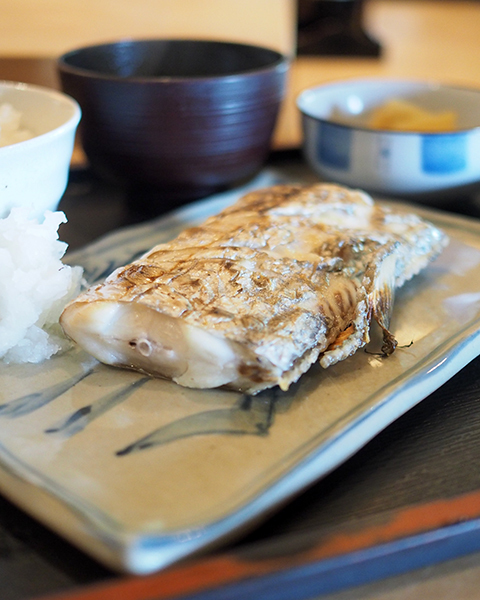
[[255, 295]]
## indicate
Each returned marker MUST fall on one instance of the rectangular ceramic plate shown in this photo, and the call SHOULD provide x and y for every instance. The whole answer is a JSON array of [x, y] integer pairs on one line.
[[140, 472]]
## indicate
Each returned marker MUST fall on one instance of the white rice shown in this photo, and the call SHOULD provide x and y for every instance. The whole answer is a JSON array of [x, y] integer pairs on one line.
[[11, 131], [35, 286]]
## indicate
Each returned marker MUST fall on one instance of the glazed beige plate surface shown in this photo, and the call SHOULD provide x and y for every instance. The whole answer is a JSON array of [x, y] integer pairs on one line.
[[141, 472]]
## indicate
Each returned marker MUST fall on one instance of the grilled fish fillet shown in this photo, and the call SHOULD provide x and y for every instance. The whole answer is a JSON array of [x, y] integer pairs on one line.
[[252, 298]]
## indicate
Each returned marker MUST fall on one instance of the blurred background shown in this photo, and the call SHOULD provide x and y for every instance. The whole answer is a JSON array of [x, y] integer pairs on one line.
[[50, 27], [416, 38]]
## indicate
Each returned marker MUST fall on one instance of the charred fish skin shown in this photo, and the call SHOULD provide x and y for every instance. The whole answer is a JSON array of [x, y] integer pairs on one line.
[[253, 297]]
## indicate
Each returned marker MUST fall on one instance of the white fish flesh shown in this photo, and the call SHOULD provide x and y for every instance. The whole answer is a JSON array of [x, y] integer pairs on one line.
[[253, 297]]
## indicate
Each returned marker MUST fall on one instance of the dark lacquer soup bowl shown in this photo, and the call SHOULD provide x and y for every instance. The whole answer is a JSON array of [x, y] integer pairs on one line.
[[182, 118]]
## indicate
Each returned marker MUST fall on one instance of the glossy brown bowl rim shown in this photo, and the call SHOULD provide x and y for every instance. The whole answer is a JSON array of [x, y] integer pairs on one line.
[[279, 61]]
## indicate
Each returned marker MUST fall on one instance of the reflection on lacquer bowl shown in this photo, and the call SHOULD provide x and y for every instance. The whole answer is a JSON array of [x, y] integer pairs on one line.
[[181, 118], [37, 133], [433, 153]]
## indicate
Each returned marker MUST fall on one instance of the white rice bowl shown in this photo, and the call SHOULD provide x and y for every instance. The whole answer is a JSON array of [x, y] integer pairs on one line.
[[11, 131], [35, 287]]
